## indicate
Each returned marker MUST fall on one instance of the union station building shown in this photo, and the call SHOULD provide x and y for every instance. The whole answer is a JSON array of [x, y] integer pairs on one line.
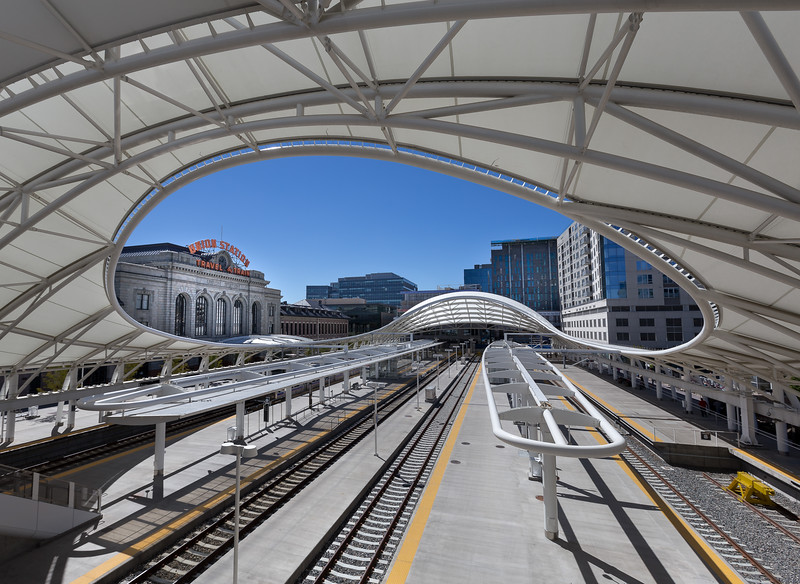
[[203, 291]]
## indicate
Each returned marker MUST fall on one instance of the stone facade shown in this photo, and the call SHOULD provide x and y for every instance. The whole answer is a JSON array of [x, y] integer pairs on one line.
[[202, 295]]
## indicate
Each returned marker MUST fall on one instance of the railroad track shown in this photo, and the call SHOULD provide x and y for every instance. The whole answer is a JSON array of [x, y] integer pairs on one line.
[[744, 561], [81, 457], [778, 518], [197, 551], [116, 445], [366, 543]]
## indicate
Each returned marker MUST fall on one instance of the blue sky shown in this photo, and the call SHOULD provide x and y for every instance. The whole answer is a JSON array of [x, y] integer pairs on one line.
[[312, 220]]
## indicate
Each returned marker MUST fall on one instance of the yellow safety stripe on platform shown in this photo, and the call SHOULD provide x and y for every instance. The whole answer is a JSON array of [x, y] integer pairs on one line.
[[151, 539], [645, 432], [51, 438], [790, 477], [402, 565], [132, 451], [156, 536], [706, 553]]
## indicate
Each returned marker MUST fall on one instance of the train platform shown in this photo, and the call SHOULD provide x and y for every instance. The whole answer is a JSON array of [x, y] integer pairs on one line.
[[690, 439], [197, 478], [480, 518]]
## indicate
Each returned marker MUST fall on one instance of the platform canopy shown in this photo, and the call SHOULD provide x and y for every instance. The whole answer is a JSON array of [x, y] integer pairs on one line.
[[671, 127], [474, 309]]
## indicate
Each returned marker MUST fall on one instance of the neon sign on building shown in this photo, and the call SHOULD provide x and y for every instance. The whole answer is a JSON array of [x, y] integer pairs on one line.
[[213, 244]]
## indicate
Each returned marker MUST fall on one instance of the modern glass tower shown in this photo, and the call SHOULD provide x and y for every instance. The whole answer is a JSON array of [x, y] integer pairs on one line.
[[381, 288], [526, 270], [480, 275], [610, 295]]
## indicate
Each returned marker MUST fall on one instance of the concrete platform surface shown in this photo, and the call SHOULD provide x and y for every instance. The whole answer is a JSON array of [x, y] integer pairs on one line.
[[197, 476], [480, 519]]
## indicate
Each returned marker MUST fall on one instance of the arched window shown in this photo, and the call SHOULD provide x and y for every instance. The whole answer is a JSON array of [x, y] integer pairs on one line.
[[238, 318], [221, 319], [180, 315], [200, 317], [256, 327]]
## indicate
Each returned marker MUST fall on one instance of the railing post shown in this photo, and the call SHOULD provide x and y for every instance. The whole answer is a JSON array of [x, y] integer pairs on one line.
[[35, 487], [550, 496]]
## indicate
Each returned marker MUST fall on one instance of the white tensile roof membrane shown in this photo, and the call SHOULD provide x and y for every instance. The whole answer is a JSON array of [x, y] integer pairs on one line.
[[671, 127]]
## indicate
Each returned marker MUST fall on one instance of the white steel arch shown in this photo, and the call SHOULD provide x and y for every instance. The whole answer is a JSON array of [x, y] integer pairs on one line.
[[473, 309], [670, 127]]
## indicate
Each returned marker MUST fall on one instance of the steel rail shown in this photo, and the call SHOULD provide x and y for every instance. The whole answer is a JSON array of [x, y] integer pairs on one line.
[[728, 539], [783, 511], [376, 498], [284, 474]]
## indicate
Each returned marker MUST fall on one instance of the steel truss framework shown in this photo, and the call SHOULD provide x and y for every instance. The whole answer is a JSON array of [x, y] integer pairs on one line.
[[670, 127]]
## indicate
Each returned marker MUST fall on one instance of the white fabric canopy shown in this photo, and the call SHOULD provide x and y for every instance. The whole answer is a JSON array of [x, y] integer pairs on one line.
[[671, 127]]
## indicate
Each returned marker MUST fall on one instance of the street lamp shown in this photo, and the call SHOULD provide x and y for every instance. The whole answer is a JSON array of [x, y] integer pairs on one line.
[[241, 451], [448, 360], [419, 364], [375, 385]]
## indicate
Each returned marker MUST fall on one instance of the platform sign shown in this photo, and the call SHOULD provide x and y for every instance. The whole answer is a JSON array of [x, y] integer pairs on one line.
[[705, 435], [267, 407]]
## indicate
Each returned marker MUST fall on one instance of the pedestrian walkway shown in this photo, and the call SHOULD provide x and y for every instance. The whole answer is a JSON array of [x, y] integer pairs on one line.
[[481, 519], [665, 423]]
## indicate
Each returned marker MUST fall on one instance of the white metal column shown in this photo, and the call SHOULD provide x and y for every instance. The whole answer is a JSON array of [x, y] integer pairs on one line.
[[240, 420], [10, 392], [549, 480], [748, 434], [782, 437], [160, 449]]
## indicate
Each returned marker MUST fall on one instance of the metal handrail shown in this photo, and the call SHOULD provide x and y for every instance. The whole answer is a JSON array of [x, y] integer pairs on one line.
[[37, 487]]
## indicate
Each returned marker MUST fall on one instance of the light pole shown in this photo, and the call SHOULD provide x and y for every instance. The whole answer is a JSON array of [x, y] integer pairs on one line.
[[241, 451], [419, 364], [375, 385], [448, 361]]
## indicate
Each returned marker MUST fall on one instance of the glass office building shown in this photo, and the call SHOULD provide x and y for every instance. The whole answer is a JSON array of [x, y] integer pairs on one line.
[[479, 277], [526, 270], [610, 295], [381, 288]]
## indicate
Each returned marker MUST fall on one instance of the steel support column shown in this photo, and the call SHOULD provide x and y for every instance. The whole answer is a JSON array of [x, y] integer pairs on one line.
[[158, 460], [240, 421]]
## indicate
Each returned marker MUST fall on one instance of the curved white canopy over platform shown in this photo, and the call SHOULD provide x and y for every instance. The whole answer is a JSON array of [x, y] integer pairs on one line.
[[669, 126], [472, 309]]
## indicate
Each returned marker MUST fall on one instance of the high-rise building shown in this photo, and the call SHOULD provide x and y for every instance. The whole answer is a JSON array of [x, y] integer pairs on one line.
[[480, 276], [381, 288], [610, 295], [362, 317], [526, 270], [319, 292], [411, 299]]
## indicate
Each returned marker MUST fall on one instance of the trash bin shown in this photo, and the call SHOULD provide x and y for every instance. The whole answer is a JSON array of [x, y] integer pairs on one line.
[[430, 394]]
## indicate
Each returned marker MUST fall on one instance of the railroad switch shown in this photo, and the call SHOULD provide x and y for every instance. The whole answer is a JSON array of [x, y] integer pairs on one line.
[[751, 489]]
